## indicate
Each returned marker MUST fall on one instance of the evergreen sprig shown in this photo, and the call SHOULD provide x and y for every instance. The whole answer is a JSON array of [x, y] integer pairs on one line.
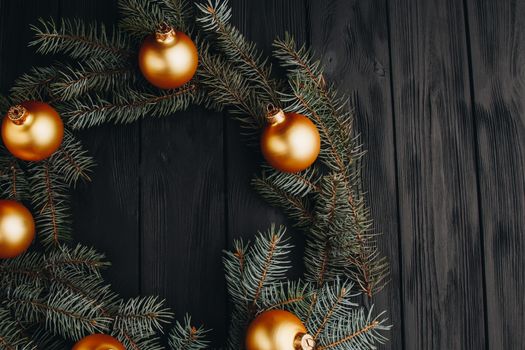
[[330, 312], [185, 336], [249, 270], [94, 110], [141, 18], [34, 85], [81, 41], [228, 89], [72, 160], [13, 182], [243, 54], [92, 76], [50, 198], [64, 292], [348, 225], [12, 336], [290, 191]]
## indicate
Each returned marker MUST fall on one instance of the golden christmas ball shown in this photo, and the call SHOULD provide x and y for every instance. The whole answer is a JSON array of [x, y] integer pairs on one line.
[[168, 59], [32, 130], [290, 142], [278, 330], [17, 229], [98, 342]]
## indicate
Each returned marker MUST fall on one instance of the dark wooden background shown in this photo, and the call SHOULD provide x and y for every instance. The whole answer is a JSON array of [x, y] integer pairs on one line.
[[439, 87]]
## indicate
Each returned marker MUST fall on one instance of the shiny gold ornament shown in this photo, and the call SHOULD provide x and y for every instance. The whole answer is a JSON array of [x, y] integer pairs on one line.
[[17, 229], [98, 342], [32, 130], [278, 330], [290, 142], [168, 59]]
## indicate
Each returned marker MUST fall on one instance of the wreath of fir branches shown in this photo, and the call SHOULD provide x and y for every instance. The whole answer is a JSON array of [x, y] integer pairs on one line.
[[56, 296]]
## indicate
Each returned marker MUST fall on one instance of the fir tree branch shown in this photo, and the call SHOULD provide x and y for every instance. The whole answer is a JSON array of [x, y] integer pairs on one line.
[[141, 18], [50, 205], [358, 331], [135, 342], [80, 258], [340, 152], [299, 61], [340, 298], [188, 337], [92, 76], [12, 335], [72, 161], [288, 191], [291, 296], [142, 316], [22, 270], [336, 322], [249, 271], [244, 54], [34, 85], [265, 269], [93, 111], [13, 182], [42, 340], [265, 264], [49, 197], [369, 327], [62, 311], [229, 89], [296, 208], [80, 41], [235, 265], [298, 184], [317, 261]]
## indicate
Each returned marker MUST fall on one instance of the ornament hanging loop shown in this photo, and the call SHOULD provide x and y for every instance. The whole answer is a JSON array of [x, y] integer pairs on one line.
[[274, 115], [165, 33], [304, 341], [17, 114]]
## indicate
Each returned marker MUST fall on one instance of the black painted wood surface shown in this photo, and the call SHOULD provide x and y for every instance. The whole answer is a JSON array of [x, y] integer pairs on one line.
[[439, 91]]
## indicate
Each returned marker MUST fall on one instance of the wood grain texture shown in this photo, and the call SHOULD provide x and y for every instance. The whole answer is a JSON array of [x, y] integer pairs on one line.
[[440, 96], [105, 211], [16, 57], [497, 39], [351, 40], [261, 22], [98, 223], [442, 284], [182, 215]]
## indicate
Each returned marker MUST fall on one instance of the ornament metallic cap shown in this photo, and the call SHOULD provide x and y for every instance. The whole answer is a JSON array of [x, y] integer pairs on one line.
[[165, 33], [274, 115], [17, 114], [304, 341]]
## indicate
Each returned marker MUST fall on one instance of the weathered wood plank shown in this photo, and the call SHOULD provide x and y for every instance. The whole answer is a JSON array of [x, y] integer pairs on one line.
[[497, 38], [442, 284], [351, 39], [182, 211], [105, 211], [16, 58], [247, 212]]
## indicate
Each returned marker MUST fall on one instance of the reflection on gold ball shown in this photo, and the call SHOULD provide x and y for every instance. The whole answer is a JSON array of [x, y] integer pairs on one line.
[[98, 342], [291, 142], [17, 229], [168, 59], [277, 330], [32, 130]]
